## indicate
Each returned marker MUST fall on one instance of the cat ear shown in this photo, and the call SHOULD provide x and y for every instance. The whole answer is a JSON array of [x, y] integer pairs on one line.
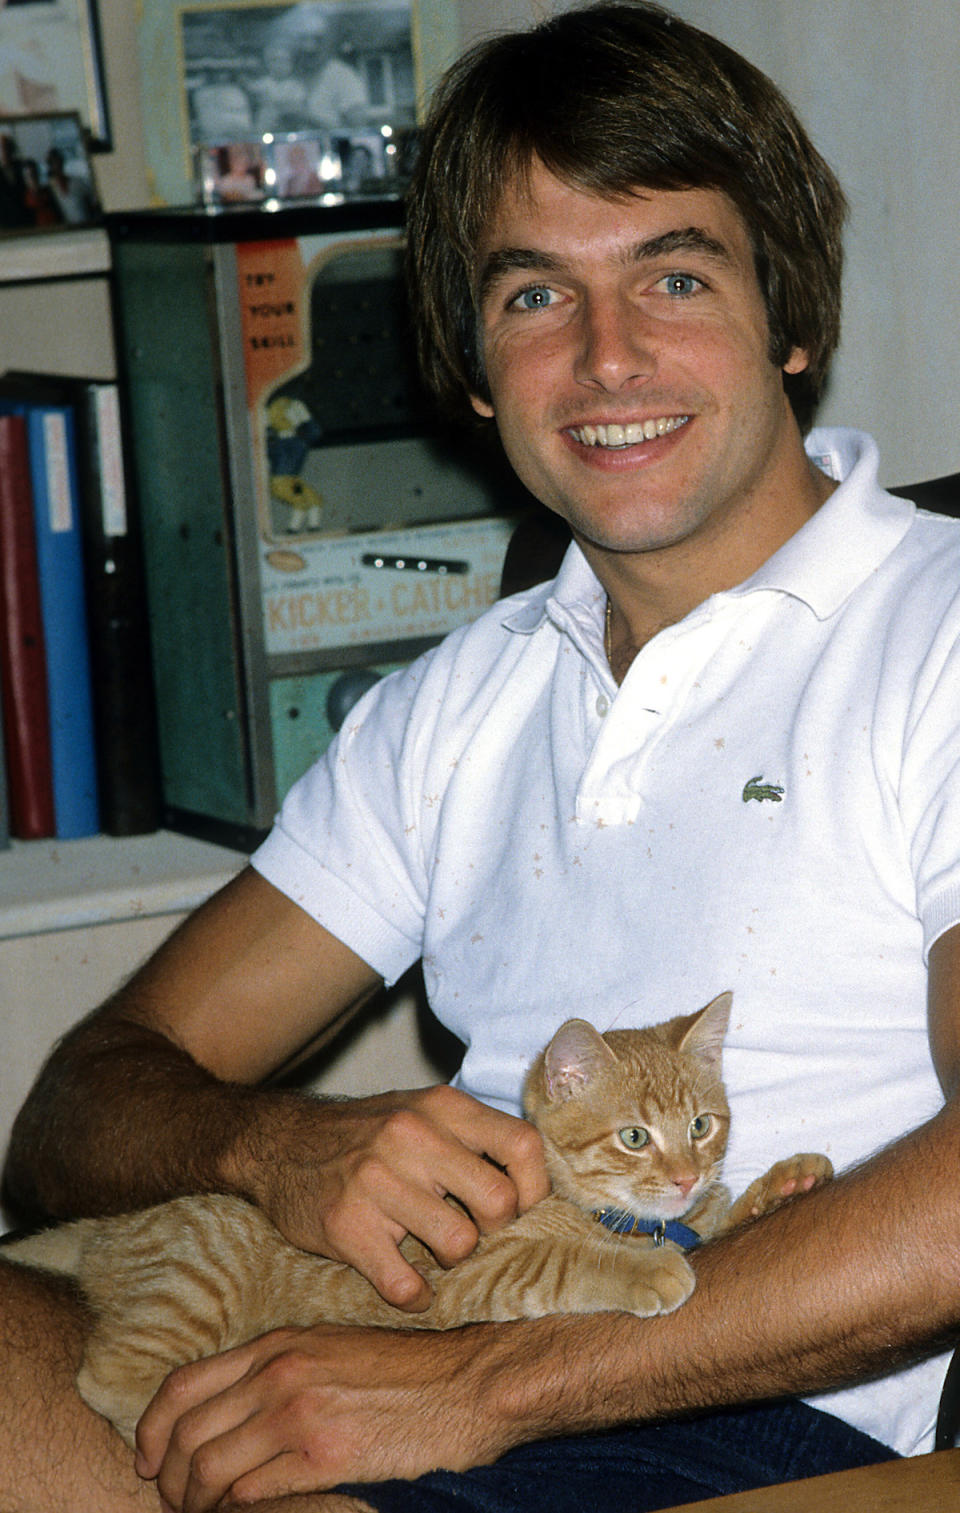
[[574, 1056], [704, 1038]]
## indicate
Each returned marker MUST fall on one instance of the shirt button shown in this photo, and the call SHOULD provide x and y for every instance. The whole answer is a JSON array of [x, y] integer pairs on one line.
[[603, 704]]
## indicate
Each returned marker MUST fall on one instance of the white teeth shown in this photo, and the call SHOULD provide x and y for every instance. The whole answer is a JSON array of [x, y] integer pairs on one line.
[[629, 435]]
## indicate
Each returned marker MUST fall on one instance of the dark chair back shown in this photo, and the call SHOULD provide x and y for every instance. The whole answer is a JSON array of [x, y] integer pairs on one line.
[[939, 494], [540, 539]]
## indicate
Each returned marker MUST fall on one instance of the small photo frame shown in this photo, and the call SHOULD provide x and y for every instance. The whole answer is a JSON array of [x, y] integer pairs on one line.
[[46, 178], [305, 165], [231, 173]]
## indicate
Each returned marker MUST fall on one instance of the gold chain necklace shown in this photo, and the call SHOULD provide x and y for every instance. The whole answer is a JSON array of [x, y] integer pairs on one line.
[[607, 633]]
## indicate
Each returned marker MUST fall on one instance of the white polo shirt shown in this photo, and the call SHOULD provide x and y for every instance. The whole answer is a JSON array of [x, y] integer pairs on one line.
[[769, 803]]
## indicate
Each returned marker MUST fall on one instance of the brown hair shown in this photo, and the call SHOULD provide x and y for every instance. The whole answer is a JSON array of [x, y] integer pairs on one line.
[[613, 97]]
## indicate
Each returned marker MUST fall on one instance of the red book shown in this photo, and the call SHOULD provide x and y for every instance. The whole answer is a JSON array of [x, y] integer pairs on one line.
[[23, 668]]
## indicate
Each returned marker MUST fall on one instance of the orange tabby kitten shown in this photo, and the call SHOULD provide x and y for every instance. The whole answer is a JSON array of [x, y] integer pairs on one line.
[[634, 1123]]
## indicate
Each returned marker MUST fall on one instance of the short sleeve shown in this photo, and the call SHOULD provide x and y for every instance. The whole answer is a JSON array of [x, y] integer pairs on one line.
[[347, 843]]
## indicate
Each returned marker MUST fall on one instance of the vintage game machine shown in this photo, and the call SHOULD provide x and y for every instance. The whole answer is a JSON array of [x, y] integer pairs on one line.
[[307, 524]]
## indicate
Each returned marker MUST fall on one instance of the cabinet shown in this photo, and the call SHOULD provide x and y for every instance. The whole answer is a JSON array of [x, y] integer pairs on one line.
[[307, 526]]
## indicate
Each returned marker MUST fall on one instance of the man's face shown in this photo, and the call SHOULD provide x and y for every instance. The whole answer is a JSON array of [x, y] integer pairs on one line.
[[626, 348]]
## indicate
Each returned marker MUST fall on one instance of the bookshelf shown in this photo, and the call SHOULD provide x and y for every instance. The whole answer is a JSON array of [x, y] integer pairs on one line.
[[78, 917], [55, 301], [48, 886], [70, 253]]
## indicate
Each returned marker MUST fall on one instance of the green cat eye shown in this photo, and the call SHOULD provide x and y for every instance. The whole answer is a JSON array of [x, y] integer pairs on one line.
[[634, 1138], [701, 1126]]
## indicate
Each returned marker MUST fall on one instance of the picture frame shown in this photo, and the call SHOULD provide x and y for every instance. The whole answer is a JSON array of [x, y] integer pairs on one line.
[[208, 75], [46, 177], [367, 162], [51, 62]]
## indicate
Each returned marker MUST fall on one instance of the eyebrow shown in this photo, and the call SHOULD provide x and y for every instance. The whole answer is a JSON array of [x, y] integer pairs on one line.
[[506, 260]]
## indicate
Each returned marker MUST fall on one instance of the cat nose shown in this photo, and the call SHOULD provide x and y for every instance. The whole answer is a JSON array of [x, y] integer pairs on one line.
[[685, 1182]]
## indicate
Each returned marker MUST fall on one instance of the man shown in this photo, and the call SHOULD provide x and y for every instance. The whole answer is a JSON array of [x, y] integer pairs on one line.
[[717, 752], [337, 94]]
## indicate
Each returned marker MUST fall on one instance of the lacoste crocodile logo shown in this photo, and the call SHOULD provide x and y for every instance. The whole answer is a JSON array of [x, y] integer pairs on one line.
[[761, 791]]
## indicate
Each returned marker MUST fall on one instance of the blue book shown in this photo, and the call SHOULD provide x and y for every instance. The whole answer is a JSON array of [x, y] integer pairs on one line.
[[52, 441]]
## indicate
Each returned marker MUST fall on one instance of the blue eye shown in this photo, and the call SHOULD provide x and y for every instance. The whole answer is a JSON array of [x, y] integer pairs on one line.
[[681, 285], [634, 1139], [538, 297]]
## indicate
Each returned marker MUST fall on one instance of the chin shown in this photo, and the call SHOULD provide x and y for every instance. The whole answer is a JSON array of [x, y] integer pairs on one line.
[[654, 531]]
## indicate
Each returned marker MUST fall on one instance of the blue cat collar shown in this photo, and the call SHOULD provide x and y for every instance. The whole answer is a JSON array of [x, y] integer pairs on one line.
[[623, 1223]]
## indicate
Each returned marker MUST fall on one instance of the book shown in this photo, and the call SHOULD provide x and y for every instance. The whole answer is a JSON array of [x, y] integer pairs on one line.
[[23, 668], [124, 703], [52, 448]]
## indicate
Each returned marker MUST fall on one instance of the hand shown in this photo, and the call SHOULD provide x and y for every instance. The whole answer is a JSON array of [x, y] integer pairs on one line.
[[348, 1179], [305, 1410]]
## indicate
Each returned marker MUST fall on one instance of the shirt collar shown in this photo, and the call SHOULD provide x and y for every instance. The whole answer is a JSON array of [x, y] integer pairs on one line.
[[849, 536], [575, 591], [822, 564]]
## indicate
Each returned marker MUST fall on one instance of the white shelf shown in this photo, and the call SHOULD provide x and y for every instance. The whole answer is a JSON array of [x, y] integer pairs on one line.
[[47, 886], [73, 252]]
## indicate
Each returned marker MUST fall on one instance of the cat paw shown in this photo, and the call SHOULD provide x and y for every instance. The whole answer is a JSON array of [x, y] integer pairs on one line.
[[785, 1179], [667, 1281]]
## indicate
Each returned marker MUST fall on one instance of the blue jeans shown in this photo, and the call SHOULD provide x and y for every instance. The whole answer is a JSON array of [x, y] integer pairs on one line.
[[640, 1469]]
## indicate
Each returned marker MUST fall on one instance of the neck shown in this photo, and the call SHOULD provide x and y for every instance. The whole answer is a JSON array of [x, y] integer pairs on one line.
[[651, 590]]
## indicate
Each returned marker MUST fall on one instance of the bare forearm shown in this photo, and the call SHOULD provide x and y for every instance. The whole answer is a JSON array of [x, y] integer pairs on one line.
[[154, 1095], [121, 1117], [845, 1283], [848, 1281]]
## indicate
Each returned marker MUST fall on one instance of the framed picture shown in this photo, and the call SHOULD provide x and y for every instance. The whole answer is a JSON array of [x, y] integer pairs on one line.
[[294, 165], [50, 61], [46, 180], [222, 71]]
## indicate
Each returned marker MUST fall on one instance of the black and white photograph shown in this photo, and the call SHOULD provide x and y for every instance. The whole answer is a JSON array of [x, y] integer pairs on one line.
[[311, 67], [50, 60], [46, 179]]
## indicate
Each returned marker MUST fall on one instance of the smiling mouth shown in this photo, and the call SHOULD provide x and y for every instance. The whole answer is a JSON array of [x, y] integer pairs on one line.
[[616, 437]]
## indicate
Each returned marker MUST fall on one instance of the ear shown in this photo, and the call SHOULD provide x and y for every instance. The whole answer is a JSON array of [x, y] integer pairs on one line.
[[574, 1056], [798, 361], [482, 406], [704, 1038]]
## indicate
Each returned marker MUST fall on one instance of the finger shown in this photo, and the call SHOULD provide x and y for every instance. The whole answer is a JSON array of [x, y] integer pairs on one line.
[[513, 1144], [210, 1446], [284, 1476], [184, 1390], [365, 1228], [256, 1432], [365, 1240], [447, 1142]]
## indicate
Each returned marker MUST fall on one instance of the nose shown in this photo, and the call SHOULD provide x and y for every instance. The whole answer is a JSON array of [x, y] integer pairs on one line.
[[685, 1181], [615, 351]]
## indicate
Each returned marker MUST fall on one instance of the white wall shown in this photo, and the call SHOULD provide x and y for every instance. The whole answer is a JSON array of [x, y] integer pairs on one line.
[[878, 84]]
